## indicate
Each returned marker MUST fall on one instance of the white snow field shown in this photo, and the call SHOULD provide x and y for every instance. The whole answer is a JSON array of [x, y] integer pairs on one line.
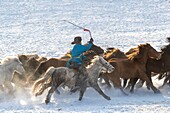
[[37, 26]]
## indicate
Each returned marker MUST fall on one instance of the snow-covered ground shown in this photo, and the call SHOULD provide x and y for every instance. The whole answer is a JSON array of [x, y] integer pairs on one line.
[[37, 26]]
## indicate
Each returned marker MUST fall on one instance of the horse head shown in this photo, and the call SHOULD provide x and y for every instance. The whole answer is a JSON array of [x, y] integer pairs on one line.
[[143, 52], [106, 66], [97, 49], [152, 53]]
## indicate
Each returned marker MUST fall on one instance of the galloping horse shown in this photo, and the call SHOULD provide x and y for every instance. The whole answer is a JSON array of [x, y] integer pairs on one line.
[[109, 54], [134, 66], [54, 77], [160, 66], [57, 62], [7, 67]]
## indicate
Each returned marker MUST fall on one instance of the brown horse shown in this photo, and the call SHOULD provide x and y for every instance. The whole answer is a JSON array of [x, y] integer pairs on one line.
[[134, 66], [57, 62], [109, 54], [160, 66]]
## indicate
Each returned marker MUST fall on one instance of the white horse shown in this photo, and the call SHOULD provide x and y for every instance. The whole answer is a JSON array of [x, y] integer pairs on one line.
[[8, 66], [54, 77]]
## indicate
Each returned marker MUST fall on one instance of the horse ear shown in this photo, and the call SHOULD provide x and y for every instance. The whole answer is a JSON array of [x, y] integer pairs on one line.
[[148, 44], [140, 53]]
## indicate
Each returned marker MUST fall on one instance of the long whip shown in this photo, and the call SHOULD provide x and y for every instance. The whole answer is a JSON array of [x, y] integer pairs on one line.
[[79, 27]]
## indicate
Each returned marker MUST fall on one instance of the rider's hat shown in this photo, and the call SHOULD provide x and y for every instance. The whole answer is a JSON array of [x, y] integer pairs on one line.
[[77, 39]]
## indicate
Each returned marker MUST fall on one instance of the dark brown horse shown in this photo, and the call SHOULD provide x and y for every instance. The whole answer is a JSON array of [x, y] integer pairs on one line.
[[134, 66], [57, 62]]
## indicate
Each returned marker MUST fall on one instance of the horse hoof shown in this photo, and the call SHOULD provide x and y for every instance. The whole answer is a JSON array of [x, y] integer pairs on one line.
[[160, 87], [36, 95], [148, 88], [47, 101], [80, 99], [157, 91], [108, 98]]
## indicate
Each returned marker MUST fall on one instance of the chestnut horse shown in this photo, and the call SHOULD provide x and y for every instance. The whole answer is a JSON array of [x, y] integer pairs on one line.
[[133, 66], [160, 66], [109, 54], [57, 62]]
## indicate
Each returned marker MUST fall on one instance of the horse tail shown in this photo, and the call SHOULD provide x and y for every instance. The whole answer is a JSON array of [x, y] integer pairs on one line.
[[38, 83]]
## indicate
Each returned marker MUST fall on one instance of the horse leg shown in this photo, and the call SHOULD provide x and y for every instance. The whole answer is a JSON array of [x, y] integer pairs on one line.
[[129, 84], [50, 92], [106, 79], [117, 83], [133, 82], [97, 88], [45, 86], [10, 88], [82, 90], [140, 84], [83, 87], [2, 88], [165, 80], [124, 82], [149, 75], [144, 77]]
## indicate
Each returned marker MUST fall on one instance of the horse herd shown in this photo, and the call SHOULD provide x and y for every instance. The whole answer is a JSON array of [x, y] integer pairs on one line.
[[113, 67]]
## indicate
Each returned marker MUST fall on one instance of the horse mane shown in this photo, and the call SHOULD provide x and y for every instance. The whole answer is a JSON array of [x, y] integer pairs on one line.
[[95, 58], [137, 53], [97, 49], [9, 59], [166, 49], [110, 52]]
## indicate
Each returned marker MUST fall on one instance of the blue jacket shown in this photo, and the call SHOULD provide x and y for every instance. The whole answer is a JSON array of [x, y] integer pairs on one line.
[[76, 53]]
